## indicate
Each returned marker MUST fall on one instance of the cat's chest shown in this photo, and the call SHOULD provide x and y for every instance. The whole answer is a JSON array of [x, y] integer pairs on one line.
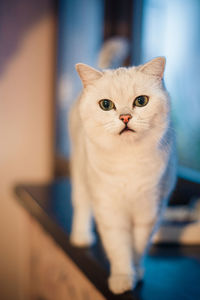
[[129, 172], [138, 172]]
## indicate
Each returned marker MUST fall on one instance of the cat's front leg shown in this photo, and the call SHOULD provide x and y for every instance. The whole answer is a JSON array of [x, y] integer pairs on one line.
[[81, 233], [146, 221], [115, 235], [117, 245], [141, 239]]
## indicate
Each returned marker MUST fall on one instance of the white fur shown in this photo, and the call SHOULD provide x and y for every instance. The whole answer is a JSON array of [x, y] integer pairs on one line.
[[125, 180], [114, 52]]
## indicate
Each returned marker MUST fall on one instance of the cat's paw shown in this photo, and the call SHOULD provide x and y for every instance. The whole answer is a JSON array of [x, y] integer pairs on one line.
[[121, 283], [82, 239]]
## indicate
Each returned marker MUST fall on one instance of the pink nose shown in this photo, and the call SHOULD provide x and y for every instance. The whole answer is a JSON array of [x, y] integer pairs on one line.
[[125, 118]]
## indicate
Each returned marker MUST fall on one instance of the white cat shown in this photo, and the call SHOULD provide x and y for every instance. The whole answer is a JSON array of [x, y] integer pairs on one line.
[[123, 164]]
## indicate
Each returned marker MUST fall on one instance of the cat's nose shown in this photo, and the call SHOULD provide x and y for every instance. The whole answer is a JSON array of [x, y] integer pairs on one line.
[[125, 118]]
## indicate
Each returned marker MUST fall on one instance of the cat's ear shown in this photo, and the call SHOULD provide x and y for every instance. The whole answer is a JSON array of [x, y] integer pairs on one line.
[[87, 73], [154, 67]]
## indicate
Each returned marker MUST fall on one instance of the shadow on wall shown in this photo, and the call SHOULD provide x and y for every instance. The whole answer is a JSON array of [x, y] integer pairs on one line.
[[16, 18]]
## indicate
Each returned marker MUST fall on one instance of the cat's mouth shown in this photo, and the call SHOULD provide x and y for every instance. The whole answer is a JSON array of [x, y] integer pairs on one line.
[[126, 129]]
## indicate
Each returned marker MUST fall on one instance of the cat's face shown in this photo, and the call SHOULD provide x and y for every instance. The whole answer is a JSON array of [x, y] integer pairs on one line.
[[125, 104]]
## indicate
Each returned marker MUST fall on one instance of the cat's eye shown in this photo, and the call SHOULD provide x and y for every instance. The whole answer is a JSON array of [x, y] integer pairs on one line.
[[106, 104], [141, 101]]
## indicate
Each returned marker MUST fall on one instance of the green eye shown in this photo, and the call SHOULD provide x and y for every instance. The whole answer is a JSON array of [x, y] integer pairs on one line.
[[141, 101], [106, 104]]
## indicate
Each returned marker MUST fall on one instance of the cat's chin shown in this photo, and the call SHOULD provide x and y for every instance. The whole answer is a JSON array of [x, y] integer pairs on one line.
[[128, 136]]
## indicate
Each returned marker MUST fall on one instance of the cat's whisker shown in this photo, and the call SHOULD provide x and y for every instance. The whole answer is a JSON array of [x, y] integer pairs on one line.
[[110, 127], [103, 125], [165, 126], [142, 125]]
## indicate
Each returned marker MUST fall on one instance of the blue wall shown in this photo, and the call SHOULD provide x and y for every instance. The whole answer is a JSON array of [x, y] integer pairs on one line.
[[80, 35]]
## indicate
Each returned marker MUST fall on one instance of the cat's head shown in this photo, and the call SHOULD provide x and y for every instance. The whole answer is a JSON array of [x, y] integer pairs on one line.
[[125, 104]]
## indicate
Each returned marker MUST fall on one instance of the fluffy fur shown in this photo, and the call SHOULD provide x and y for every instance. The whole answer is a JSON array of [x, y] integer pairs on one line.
[[113, 52], [123, 179]]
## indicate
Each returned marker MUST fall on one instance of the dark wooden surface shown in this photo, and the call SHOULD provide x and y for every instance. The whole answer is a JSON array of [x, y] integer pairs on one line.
[[172, 272]]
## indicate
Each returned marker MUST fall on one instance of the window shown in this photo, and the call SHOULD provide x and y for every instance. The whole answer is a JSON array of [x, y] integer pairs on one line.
[[171, 28]]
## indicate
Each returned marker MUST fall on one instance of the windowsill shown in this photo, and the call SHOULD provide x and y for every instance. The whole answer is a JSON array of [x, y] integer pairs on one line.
[[166, 266]]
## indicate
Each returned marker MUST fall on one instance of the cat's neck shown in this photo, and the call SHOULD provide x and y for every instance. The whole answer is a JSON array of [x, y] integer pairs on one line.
[[118, 148], [123, 158]]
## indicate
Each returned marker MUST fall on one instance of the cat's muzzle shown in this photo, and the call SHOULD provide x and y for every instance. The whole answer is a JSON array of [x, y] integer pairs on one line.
[[125, 129]]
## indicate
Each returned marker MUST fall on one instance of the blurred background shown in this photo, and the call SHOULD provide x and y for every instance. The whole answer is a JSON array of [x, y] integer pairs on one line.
[[40, 42]]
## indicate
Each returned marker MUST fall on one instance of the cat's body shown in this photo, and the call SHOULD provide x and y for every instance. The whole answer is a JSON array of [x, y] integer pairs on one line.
[[123, 177]]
